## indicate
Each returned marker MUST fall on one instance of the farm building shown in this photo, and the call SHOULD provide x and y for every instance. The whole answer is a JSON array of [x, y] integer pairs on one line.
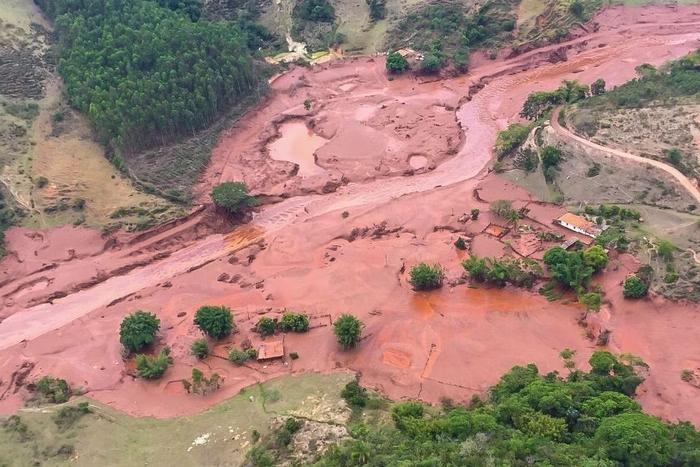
[[270, 349], [578, 224]]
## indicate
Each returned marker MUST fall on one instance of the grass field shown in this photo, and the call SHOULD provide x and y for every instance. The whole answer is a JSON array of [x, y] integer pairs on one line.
[[218, 437]]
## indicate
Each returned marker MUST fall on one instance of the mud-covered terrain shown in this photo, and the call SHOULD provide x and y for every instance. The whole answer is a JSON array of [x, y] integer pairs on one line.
[[75, 286]]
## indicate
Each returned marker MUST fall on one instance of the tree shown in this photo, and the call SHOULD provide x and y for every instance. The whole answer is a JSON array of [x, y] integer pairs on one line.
[[592, 301], [634, 287], [568, 268], [138, 330], [576, 8], [475, 214], [347, 330], [214, 321], [150, 367], [635, 440], [674, 156], [377, 9], [598, 87], [266, 326], [294, 322], [396, 63], [425, 276], [307, 104], [232, 196], [199, 348], [666, 249], [477, 268], [501, 207], [431, 63], [595, 257]]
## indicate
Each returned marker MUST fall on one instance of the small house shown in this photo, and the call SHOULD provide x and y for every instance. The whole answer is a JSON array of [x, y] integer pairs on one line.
[[271, 349], [578, 224]]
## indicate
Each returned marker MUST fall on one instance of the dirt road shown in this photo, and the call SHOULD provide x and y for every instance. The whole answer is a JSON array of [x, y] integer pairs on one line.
[[669, 169]]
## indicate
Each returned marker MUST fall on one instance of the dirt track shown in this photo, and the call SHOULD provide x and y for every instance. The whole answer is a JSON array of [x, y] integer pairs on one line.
[[682, 179], [449, 343]]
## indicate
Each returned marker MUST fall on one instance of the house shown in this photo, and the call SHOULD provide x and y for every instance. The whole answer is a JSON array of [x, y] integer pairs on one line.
[[270, 349], [579, 225]]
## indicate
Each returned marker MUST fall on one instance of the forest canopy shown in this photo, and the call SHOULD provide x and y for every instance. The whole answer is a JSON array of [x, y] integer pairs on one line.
[[148, 73]]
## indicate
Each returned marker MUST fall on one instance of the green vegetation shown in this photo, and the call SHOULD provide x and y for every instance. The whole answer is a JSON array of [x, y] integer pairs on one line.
[[138, 330], [460, 244], [583, 419], [551, 157], [200, 348], [519, 272], [294, 322], [293, 355], [348, 330], [568, 268], [676, 79], [201, 384], [315, 10], [68, 416], [445, 32], [539, 103], [666, 249], [7, 219], [50, 390], [377, 9], [613, 212], [592, 301], [232, 196], [214, 321], [150, 367], [596, 258], [138, 97], [425, 276], [354, 394], [396, 63], [239, 357], [598, 87], [511, 139], [634, 287], [266, 326]]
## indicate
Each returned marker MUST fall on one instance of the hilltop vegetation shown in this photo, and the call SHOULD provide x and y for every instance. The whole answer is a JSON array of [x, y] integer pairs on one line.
[[149, 74], [583, 419]]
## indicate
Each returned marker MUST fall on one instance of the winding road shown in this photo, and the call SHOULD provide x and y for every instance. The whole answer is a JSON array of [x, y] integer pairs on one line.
[[669, 169]]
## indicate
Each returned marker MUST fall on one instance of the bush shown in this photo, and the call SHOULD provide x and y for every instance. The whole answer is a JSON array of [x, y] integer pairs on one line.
[[424, 276], [634, 287], [202, 385], [598, 87], [52, 390], [295, 322], [396, 63], [293, 355], [78, 204], [214, 321], [511, 138], [150, 367], [666, 249], [232, 196], [138, 330], [67, 416], [354, 394], [576, 8], [239, 357], [266, 326], [199, 348], [348, 330], [315, 10], [41, 182], [431, 63]]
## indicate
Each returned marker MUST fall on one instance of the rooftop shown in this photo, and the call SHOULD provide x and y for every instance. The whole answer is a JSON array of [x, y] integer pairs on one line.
[[579, 222], [270, 349]]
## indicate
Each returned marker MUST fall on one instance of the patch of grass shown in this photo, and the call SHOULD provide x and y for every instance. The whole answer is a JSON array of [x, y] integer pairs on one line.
[[108, 437]]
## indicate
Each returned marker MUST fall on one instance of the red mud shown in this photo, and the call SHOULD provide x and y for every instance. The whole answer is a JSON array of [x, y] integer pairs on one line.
[[453, 342]]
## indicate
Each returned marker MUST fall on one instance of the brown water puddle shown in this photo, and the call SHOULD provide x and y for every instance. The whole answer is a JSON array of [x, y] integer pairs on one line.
[[298, 144]]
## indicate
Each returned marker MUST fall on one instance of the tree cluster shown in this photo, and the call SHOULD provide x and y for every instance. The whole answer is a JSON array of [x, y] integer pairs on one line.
[[574, 269], [290, 322], [540, 102], [519, 272], [424, 276], [587, 419], [147, 73]]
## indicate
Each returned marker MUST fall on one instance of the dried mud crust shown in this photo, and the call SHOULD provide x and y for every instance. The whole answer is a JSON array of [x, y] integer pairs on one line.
[[373, 127]]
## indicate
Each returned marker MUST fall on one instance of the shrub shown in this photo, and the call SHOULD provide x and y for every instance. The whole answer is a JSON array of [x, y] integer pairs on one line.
[[293, 355], [460, 244], [348, 330], [295, 322], [354, 394], [666, 249], [511, 138], [239, 357], [41, 182], [598, 87], [576, 8], [475, 214], [634, 287], [199, 348], [396, 63], [52, 390], [214, 321], [232, 196], [266, 326], [345, 214], [424, 276], [150, 367], [67, 416], [202, 385], [431, 63], [78, 204], [687, 375], [138, 330], [592, 302]]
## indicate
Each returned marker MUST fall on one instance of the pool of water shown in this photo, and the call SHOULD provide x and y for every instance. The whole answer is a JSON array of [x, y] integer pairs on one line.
[[297, 144]]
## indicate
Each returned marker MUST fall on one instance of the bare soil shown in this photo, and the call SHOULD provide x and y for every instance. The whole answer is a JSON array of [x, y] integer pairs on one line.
[[303, 254]]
